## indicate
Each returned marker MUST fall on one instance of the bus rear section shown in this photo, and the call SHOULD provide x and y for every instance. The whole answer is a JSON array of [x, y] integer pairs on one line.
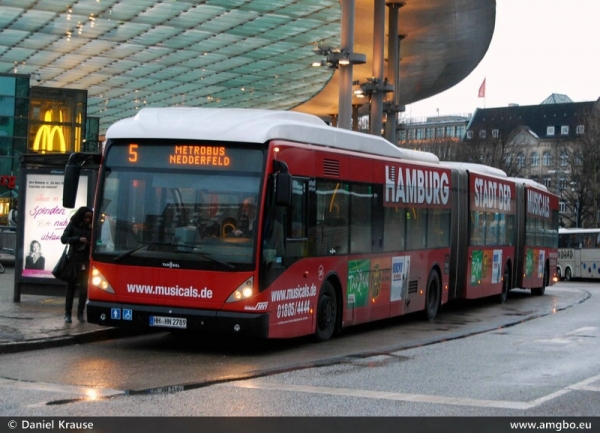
[[538, 229]]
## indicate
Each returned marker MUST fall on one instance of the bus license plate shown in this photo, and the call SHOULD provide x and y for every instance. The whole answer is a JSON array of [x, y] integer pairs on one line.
[[168, 322]]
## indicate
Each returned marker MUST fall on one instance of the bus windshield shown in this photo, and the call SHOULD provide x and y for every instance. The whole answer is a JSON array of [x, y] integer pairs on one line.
[[194, 216]]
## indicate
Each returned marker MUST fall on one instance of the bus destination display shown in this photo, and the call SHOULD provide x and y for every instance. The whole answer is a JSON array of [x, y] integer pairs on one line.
[[185, 156]]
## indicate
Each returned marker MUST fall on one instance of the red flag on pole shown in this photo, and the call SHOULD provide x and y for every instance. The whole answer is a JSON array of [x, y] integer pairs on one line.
[[482, 89]]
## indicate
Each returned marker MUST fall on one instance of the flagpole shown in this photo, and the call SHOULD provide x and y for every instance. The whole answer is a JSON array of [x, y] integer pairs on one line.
[[481, 93]]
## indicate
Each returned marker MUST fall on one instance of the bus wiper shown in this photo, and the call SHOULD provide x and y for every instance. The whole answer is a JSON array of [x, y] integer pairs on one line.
[[130, 252], [146, 244], [221, 262], [203, 255]]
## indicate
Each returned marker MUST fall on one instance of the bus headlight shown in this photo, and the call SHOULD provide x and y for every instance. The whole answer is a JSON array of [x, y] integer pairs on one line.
[[100, 282], [244, 291]]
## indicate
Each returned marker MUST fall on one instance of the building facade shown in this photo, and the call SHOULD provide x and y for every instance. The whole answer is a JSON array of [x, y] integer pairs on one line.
[[551, 143]]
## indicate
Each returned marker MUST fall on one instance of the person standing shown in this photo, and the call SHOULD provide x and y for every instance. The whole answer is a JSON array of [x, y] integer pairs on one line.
[[12, 214], [78, 235]]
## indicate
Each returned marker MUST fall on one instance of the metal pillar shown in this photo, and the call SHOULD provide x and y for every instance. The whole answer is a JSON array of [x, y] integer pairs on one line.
[[393, 73], [378, 60], [345, 87]]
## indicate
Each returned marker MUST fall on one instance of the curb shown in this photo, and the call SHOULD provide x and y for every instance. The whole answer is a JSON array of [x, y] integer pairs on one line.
[[63, 340]]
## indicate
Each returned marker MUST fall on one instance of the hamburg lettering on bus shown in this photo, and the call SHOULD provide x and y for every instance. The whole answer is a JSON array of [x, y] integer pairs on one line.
[[416, 186], [491, 194], [538, 204]]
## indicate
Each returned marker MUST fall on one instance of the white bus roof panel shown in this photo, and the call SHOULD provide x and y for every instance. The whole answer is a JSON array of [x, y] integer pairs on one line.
[[476, 168], [530, 182], [253, 126]]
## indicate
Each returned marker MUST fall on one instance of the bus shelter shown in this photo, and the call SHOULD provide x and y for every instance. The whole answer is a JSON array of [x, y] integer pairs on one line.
[[41, 221]]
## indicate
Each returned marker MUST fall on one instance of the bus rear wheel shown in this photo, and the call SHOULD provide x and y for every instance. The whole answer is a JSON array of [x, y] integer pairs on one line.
[[505, 285], [326, 312], [541, 290], [568, 274], [432, 296]]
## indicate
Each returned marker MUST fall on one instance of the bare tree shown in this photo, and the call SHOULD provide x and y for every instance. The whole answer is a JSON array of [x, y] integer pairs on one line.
[[582, 195], [497, 148]]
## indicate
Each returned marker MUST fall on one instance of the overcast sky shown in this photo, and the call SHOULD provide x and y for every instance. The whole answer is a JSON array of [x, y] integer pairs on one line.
[[539, 47]]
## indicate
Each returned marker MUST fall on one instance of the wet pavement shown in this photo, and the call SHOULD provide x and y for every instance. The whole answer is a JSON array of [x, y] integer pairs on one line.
[[38, 321]]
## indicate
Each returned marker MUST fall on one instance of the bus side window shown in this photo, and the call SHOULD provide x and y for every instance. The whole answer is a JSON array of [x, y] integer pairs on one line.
[[477, 227], [298, 211], [438, 231], [330, 235], [416, 228], [394, 226], [361, 198]]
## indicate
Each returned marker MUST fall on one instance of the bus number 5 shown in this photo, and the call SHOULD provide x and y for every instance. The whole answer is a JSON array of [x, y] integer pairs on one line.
[[133, 155]]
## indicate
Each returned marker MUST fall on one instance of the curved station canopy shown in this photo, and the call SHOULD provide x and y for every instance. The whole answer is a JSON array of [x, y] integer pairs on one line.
[[130, 54]]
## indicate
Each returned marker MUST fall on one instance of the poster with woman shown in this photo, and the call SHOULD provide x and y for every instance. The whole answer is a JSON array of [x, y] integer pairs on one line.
[[45, 220]]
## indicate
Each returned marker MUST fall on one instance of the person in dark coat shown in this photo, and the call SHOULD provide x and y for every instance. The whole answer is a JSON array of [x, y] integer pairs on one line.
[[78, 234]]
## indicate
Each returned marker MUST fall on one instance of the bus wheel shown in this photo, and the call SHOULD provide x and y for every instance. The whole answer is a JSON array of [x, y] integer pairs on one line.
[[541, 290], [568, 274], [432, 296], [505, 286], [326, 312]]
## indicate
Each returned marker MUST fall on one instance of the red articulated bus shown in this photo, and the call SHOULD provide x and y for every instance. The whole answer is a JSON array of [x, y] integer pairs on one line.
[[276, 225], [505, 233]]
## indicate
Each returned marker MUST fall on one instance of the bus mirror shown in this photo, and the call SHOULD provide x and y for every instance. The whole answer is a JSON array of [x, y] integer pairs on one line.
[[283, 189], [71, 182]]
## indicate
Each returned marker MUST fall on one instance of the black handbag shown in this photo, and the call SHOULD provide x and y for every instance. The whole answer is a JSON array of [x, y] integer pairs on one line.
[[66, 269]]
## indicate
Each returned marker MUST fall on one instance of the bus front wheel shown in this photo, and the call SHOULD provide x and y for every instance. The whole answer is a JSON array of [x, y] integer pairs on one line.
[[432, 296], [568, 274], [326, 312]]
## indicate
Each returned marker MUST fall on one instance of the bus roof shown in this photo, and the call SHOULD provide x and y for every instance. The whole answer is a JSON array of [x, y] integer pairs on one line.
[[253, 126], [478, 168], [530, 182], [564, 231]]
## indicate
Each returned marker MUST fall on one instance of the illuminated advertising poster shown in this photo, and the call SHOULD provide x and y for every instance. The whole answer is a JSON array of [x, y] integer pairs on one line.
[[400, 273], [496, 267], [541, 263], [45, 220]]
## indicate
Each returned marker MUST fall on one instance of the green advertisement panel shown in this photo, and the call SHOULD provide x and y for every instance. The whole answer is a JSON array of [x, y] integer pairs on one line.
[[529, 260], [476, 267], [358, 282]]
